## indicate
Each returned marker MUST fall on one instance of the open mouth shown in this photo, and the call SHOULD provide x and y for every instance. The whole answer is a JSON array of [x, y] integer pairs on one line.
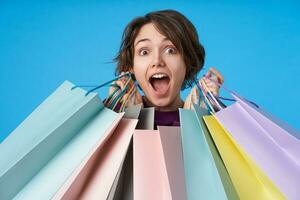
[[160, 83]]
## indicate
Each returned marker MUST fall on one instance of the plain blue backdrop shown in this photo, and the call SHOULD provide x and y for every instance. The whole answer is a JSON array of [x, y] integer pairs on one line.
[[255, 44]]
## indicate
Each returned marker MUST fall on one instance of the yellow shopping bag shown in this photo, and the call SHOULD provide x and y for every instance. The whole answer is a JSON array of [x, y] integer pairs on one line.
[[250, 182]]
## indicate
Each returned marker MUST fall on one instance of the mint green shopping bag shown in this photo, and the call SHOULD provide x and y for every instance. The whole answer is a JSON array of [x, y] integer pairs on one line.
[[225, 178], [40, 154], [203, 179]]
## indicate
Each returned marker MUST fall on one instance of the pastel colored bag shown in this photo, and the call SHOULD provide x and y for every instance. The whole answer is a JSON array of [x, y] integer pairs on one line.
[[253, 135], [158, 166], [205, 174], [41, 153], [271, 147]]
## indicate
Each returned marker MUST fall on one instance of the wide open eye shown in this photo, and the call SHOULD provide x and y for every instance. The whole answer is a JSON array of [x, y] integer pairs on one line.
[[170, 50], [143, 52]]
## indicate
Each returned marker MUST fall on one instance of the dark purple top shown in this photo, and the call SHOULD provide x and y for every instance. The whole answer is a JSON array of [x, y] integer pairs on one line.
[[165, 118], [169, 118]]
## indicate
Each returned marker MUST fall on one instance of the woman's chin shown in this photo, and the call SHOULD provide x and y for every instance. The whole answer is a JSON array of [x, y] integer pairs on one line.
[[162, 104]]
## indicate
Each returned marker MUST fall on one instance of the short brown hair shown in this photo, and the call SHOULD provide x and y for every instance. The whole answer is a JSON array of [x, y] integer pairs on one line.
[[177, 28]]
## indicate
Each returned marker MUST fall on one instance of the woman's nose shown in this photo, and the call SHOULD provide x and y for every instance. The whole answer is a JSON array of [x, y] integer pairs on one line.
[[157, 60]]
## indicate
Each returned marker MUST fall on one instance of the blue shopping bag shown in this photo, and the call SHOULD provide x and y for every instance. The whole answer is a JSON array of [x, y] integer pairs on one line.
[[40, 154], [201, 173]]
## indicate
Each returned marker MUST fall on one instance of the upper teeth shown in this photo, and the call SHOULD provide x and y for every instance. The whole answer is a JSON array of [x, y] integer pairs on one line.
[[159, 75]]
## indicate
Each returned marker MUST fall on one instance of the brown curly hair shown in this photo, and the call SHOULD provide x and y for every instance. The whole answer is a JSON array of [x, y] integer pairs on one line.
[[178, 29]]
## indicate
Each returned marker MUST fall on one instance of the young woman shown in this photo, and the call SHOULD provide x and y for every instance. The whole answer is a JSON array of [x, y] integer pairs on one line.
[[163, 51]]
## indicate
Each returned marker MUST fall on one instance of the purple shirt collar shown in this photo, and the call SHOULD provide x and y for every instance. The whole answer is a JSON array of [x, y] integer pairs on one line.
[[165, 118]]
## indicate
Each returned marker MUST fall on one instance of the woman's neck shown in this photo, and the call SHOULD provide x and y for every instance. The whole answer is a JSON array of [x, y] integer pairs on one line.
[[173, 106]]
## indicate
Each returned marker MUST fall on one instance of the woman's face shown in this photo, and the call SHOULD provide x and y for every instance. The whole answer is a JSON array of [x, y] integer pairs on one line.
[[159, 68]]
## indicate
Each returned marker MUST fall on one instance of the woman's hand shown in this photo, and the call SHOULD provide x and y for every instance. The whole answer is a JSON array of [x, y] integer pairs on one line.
[[131, 96], [211, 78]]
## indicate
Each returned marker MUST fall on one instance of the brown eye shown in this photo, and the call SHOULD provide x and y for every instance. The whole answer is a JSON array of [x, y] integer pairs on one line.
[[143, 52], [170, 50]]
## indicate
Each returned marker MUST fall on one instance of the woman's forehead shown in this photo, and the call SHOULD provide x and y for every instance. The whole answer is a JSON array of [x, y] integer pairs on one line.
[[149, 33]]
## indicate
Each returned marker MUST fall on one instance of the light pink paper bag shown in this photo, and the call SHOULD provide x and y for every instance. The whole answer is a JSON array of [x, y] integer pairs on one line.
[[94, 177], [171, 145], [158, 166]]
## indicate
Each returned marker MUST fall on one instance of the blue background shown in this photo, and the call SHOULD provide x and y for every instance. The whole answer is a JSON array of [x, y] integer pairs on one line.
[[254, 44]]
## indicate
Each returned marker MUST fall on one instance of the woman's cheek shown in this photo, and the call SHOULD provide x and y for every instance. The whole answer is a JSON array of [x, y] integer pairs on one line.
[[140, 71], [179, 71], [179, 83]]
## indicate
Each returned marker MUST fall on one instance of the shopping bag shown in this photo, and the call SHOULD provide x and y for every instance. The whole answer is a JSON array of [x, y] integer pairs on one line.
[[49, 139], [133, 112], [123, 184], [206, 176], [272, 149], [248, 179], [227, 183], [158, 169], [94, 177], [170, 140], [203, 163], [146, 119], [100, 168], [150, 176], [281, 133]]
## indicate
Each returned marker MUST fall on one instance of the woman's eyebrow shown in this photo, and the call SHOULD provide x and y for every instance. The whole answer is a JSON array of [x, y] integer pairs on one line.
[[146, 39], [142, 40]]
